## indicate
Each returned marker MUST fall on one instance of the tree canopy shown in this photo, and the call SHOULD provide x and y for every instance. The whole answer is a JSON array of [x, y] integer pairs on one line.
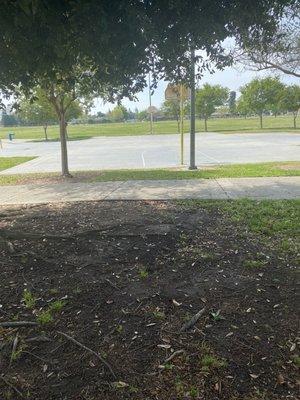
[[41, 111], [290, 100], [74, 49], [261, 95], [208, 98], [118, 42]]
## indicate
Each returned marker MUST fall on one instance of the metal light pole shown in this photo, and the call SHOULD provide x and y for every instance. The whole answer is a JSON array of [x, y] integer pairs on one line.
[[150, 107], [192, 122], [181, 127]]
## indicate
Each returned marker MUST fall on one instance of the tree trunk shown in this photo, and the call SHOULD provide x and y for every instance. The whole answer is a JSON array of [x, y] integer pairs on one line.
[[178, 124], [205, 124], [295, 125], [66, 130], [261, 121], [45, 131], [63, 143]]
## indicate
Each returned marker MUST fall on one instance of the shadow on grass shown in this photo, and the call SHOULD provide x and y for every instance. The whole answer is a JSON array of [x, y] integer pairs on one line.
[[70, 139]]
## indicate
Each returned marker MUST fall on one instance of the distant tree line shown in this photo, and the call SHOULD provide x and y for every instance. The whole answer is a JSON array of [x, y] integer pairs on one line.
[[265, 96]]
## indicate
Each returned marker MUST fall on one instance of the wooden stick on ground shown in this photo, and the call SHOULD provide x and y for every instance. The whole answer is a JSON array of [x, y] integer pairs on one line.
[[188, 325], [175, 354], [89, 350], [17, 324]]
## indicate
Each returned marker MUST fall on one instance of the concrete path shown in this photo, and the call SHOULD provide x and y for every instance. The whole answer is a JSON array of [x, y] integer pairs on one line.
[[254, 188], [155, 151]]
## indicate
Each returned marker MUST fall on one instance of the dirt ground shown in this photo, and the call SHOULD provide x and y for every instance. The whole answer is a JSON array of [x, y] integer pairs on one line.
[[123, 279]]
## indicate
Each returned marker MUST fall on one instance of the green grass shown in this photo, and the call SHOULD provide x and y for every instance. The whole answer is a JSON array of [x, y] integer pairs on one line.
[[266, 217], [225, 171], [9, 162], [288, 168], [225, 125], [277, 220]]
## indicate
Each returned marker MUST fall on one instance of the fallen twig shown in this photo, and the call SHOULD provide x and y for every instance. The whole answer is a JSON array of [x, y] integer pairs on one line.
[[188, 325], [17, 324], [89, 350], [176, 353], [112, 284], [38, 339], [11, 386]]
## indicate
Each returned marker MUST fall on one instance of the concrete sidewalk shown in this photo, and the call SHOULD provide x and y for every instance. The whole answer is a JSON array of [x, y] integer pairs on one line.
[[233, 188]]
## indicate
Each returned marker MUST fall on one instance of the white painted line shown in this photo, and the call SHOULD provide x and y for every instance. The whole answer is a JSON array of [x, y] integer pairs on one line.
[[143, 160], [212, 158]]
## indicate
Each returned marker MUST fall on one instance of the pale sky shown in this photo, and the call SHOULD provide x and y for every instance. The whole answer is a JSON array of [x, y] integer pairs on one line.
[[229, 77]]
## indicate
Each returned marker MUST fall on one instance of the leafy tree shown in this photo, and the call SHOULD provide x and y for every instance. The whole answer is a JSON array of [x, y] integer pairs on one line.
[[261, 95], [40, 111], [171, 109], [8, 119], [290, 100], [242, 107], [232, 102], [74, 49], [208, 98], [142, 115], [118, 114]]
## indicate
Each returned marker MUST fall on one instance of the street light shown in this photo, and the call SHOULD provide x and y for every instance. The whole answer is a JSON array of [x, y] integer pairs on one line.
[[192, 122], [150, 109]]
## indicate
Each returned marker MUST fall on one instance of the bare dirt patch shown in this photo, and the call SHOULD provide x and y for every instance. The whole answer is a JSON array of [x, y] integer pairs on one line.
[[122, 279]]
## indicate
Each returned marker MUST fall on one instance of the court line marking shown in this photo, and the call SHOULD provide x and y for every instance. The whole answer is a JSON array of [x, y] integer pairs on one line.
[[143, 160]]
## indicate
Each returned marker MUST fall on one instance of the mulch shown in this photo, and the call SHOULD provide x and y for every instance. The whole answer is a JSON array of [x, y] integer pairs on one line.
[[130, 276]]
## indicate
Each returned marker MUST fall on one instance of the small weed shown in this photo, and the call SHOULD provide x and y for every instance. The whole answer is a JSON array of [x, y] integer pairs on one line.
[[183, 239], [193, 392], [168, 366], [179, 386], [296, 360], [159, 314], [16, 354], [217, 315], [209, 362], [53, 291], [254, 264], [29, 299], [119, 328], [56, 306], [45, 317], [133, 389], [143, 273]]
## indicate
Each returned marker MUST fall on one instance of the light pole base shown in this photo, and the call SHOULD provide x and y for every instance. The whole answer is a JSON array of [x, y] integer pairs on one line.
[[191, 167]]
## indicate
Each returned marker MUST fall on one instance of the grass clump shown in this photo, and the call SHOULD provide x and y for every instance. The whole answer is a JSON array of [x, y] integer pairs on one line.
[[45, 317], [143, 273], [210, 362], [254, 264], [28, 299]]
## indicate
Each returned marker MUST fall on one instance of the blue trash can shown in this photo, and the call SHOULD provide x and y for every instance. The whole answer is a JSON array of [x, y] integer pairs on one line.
[[10, 136]]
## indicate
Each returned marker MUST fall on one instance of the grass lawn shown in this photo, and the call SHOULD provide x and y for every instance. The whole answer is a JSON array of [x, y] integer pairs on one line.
[[288, 168], [9, 162], [112, 290], [224, 171], [225, 125]]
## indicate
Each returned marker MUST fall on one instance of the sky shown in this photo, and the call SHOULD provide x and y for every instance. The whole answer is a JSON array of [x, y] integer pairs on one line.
[[231, 77]]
